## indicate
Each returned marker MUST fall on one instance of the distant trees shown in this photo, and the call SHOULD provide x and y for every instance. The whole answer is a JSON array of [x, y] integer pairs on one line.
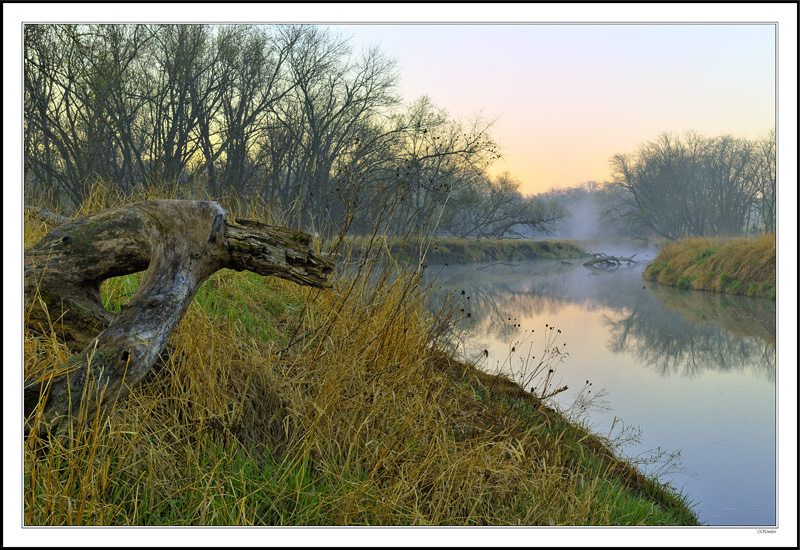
[[438, 158], [326, 123], [766, 179], [81, 101], [495, 208], [289, 115], [677, 187]]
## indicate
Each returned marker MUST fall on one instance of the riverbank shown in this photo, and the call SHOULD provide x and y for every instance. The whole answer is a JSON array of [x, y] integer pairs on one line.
[[285, 405], [736, 266], [466, 251]]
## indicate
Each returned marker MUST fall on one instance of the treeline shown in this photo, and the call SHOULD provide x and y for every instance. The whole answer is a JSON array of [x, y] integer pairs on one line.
[[695, 186], [289, 116], [675, 187]]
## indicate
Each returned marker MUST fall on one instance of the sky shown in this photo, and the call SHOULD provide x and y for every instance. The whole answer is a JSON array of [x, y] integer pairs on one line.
[[567, 87], [566, 97]]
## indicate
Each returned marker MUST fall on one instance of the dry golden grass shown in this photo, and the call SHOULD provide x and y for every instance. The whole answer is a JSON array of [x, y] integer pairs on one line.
[[280, 404], [734, 266]]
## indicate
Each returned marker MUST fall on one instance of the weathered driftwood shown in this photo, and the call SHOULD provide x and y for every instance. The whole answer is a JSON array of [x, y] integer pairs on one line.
[[180, 244], [600, 260]]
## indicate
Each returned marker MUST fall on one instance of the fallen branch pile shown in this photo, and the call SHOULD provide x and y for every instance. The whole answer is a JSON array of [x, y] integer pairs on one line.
[[602, 261]]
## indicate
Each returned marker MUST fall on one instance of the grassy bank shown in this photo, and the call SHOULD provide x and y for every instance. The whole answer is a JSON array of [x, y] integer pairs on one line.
[[284, 405], [464, 251], [736, 266]]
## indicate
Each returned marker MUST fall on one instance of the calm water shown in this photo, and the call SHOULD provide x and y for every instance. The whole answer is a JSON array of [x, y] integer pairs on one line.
[[670, 370]]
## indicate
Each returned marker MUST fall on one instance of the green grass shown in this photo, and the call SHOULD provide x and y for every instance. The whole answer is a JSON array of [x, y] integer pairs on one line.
[[684, 282]]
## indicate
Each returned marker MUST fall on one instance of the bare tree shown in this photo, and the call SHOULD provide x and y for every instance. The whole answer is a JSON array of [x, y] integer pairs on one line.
[[66, 107], [124, 99], [652, 186], [439, 156], [39, 86], [252, 82], [176, 65], [495, 208], [677, 187], [731, 186], [766, 179], [335, 97], [287, 114]]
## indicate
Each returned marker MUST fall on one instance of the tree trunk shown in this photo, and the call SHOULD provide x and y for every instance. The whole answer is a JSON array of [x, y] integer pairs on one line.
[[180, 244]]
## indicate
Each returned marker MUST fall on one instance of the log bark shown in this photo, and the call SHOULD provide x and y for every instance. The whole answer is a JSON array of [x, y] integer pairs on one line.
[[179, 244]]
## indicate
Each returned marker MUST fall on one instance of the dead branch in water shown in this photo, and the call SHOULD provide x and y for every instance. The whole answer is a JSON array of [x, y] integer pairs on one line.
[[602, 261]]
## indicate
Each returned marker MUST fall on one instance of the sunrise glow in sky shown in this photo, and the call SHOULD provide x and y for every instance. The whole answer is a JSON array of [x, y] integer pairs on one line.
[[566, 97]]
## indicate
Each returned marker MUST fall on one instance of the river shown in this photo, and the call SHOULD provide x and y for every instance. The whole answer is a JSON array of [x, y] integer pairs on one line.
[[683, 380]]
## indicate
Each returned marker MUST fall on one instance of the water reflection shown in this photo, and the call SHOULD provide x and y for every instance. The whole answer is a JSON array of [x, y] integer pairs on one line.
[[738, 314], [694, 370], [676, 332], [672, 345]]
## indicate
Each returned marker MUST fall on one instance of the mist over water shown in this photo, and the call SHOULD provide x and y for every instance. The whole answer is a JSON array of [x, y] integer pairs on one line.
[[584, 222], [691, 371]]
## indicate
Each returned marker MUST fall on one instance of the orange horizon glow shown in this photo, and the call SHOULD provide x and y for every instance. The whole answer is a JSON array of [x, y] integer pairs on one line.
[[566, 98]]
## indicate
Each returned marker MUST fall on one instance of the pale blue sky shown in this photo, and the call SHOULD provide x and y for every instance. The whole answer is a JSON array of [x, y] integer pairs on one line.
[[568, 97]]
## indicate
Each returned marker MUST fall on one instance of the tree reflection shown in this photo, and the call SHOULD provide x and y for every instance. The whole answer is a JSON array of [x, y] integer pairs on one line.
[[676, 332], [666, 341], [497, 300]]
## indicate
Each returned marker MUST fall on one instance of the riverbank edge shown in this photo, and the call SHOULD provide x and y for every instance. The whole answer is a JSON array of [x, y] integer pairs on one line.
[[501, 389], [730, 266], [466, 251]]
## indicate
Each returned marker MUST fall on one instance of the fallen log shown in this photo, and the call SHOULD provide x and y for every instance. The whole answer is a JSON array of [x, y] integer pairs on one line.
[[180, 244], [608, 262]]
